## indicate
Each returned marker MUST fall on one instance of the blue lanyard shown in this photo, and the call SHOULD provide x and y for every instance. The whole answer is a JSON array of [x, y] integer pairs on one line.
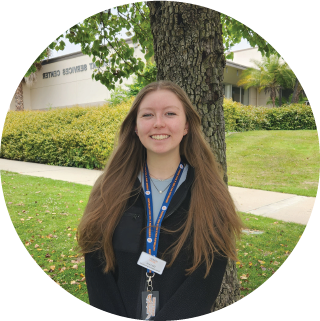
[[153, 232]]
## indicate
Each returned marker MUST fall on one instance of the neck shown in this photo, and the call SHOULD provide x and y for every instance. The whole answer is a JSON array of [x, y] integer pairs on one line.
[[162, 166]]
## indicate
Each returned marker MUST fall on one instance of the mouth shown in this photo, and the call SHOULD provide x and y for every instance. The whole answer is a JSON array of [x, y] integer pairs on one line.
[[159, 137]]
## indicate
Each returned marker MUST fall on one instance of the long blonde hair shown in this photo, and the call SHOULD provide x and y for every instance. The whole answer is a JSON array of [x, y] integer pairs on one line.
[[212, 219]]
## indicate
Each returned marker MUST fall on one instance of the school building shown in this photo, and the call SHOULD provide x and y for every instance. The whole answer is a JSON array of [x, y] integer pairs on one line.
[[66, 81]]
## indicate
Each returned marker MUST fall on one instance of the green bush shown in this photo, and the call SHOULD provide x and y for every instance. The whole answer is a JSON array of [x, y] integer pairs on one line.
[[84, 137], [77, 136], [239, 117], [149, 75], [120, 95], [117, 96]]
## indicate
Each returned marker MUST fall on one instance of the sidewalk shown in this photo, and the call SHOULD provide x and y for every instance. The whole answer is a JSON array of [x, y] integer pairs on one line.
[[280, 206]]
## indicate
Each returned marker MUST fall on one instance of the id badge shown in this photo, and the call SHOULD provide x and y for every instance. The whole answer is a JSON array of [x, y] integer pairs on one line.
[[150, 305], [151, 263]]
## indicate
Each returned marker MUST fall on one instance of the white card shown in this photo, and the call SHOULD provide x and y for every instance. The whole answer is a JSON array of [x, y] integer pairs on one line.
[[151, 262]]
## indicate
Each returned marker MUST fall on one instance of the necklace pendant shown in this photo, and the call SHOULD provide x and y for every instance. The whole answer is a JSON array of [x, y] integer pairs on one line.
[[160, 192]]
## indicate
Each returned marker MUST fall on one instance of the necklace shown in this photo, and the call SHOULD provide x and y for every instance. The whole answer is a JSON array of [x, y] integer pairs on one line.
[[156, 186], [161, 180]]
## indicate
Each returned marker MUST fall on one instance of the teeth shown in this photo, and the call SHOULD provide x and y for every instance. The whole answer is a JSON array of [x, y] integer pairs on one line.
[[159, 137]]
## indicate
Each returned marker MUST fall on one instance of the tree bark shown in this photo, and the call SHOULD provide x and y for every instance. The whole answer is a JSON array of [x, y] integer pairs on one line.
[[188, 50], [280, 96], [19, 97], [273, 95], [296, 92], [230, 288]]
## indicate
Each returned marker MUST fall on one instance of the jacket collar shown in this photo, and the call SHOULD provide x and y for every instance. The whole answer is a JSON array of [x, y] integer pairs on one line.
[[178, 196], [187, 183]]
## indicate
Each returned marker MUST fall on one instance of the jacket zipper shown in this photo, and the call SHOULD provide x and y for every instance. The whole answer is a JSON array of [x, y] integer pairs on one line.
[[176, 207], [181, 200], [143, 274], [172, 211]]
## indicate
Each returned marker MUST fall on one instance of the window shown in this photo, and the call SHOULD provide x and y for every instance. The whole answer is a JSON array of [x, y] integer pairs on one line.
[[236, 93], [227, 90], [244, 96]]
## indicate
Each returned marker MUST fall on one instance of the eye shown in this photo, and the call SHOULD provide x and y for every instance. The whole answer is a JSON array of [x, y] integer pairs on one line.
[[146, 115], [171, 114]]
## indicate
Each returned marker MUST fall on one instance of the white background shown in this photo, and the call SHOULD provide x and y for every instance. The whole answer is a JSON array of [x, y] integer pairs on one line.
[[27, 27]]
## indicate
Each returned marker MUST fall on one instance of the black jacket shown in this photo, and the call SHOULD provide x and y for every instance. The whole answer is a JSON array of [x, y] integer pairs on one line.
[[180, 296]]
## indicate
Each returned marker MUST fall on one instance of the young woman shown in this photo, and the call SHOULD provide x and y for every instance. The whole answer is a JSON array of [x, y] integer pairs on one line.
[[160, 224]]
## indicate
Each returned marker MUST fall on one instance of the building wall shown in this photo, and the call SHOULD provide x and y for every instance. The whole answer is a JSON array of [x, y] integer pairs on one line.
[[230, 75], [253, 96], [243, 57], [67, 82], [263, 98], [258, 99]]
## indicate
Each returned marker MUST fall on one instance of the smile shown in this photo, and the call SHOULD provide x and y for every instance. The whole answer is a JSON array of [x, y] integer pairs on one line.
[[160, 137]]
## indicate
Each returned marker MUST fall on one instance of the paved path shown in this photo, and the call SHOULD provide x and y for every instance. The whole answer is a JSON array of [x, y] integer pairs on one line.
[[281, 206]]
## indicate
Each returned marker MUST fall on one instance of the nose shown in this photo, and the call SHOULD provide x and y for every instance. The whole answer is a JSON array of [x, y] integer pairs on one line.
[[158, 123]]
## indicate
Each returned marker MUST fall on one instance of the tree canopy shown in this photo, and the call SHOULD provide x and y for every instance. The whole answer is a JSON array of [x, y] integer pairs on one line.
[[271, 74], [234, 31], [99, 38], [57, 45]]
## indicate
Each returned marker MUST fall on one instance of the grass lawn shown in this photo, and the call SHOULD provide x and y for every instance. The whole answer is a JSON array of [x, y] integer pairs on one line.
[[46, 214], [280, 160]]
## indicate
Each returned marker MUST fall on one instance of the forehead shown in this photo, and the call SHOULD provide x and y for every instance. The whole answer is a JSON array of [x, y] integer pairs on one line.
[[160, 99]]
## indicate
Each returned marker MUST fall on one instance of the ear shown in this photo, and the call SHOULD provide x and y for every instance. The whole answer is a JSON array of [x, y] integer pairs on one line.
[[136, 130], [186, 128]]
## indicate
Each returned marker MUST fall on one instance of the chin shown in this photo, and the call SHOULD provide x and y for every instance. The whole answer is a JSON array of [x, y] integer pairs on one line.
[[162, 152]]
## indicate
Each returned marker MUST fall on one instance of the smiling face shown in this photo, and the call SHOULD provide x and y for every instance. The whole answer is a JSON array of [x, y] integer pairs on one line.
[[161, 122]]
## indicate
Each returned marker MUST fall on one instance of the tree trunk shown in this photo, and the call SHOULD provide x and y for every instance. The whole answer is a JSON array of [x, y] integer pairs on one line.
[[296, 92], [230, 288], [19, 97], [188, 50], [280, 96], [273, 96]]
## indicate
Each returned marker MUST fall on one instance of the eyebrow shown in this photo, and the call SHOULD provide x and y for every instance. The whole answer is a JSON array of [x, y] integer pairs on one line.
[[173, 106]]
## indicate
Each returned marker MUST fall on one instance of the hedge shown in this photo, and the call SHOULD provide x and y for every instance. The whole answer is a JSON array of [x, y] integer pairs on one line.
[[84, 137], [76, 137], [239, 117]]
